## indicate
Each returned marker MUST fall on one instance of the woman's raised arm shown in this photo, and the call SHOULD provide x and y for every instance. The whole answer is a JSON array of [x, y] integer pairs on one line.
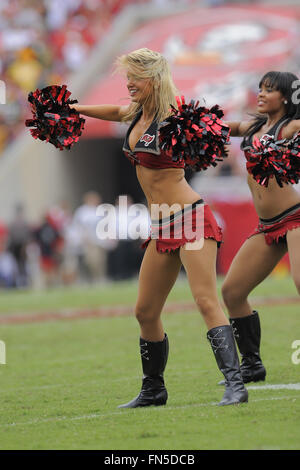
[[107, 112]]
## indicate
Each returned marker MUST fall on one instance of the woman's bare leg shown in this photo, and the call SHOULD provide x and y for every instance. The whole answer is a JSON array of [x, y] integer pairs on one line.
[[200, 266], [253, 263], [158, 274]]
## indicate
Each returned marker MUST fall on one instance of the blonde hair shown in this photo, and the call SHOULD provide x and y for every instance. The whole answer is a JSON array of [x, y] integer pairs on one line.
[[142, 64]]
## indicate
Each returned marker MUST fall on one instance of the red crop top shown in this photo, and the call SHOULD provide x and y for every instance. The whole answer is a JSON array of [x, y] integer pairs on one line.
[[147, 152]]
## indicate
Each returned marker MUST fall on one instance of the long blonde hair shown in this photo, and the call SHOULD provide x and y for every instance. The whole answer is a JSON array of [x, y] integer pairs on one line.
[[144, 63]]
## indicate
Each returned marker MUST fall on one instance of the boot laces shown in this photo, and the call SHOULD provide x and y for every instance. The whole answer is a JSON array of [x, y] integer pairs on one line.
[[234, 329], [217, 341], [144, 351]]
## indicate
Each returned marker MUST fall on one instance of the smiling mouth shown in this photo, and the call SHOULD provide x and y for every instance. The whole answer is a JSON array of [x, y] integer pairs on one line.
[[133, 92]]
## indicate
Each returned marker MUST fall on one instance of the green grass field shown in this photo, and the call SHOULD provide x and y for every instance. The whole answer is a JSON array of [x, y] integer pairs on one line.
[[63, 380]]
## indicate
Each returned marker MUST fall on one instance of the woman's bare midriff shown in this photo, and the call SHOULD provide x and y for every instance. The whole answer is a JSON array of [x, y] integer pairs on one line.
[[273, 200], [165, 188]]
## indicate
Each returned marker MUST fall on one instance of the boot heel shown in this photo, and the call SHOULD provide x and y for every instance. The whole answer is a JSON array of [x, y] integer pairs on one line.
[[232, 397], [153, 393], [161, 398], [259, 376]]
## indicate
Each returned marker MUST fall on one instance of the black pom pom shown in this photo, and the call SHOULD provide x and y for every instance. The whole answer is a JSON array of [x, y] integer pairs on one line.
[[195, 134], [53, 119]]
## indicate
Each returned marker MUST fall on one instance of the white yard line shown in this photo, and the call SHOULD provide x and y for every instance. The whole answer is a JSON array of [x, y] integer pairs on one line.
[[275, 387], [295, 386], [57, 419]]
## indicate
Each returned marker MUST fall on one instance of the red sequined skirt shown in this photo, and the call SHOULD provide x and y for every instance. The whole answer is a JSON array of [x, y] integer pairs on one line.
[[275, 229], [195, 222]]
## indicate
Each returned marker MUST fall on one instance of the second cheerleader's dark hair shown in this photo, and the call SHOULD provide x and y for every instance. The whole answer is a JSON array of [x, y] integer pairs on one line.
[[283, 82]]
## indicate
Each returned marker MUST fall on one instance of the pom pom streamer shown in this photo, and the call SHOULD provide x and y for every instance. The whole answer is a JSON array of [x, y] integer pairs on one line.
[[53, 119], [293, 149], [195, 134], [268, 158]]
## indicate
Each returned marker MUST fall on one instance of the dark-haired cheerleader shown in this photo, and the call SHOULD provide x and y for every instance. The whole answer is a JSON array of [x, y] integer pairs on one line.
[[278, 209], [161, 177]]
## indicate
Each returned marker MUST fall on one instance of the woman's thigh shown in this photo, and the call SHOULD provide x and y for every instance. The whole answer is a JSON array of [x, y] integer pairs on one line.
[[254, 261], [158, 274], [200, 267]]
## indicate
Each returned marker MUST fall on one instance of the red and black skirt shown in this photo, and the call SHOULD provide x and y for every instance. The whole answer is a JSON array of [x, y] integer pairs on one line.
[[195, 222], [275, 229]]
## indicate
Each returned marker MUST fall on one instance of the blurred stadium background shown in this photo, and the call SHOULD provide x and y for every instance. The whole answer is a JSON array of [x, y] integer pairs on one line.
[[218, 50]]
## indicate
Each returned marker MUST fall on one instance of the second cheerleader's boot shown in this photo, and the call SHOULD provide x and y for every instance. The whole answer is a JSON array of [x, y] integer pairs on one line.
[[154, 355], [247, 334], [223, 345]]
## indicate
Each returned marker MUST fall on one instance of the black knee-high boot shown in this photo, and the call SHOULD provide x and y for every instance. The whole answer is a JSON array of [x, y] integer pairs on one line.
[[223, 345], [154, 355], [247, 334]]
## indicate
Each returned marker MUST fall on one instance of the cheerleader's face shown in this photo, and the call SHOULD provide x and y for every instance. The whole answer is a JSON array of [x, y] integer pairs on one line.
[[140, 89], [269, 100]]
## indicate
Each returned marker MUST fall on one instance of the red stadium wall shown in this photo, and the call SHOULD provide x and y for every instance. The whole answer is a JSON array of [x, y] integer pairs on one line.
[[237, 220]]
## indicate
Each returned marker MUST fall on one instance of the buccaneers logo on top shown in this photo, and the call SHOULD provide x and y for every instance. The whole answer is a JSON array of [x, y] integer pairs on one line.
[[147, 139]]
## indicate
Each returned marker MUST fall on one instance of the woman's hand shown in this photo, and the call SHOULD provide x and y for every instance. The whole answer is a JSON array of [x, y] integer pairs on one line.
[[75, 106]]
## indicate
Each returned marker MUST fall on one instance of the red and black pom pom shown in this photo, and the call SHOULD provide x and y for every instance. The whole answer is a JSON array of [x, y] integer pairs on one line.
[[195, 134], [293, 149], [53, 119], [268, 159]]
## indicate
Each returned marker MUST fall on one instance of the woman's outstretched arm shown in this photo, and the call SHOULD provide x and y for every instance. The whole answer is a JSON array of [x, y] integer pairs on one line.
[[107, 112], [239, 129]]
